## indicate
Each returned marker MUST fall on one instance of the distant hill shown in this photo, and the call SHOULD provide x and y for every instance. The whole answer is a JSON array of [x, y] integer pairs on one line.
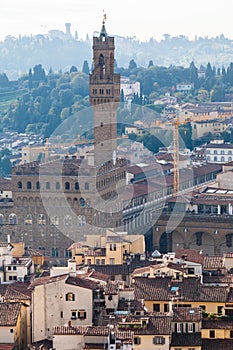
[[20, 54]]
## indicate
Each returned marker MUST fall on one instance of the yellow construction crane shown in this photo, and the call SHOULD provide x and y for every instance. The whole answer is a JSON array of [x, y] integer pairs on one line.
[[176, 123]]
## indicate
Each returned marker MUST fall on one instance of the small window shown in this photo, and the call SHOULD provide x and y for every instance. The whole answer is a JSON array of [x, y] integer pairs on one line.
[[70, 297], [82, 202], [61, 314], [158, 340], [113, 246], [1, 219], [41, 219], [14, 268], [29, 185], [38, 185], [47, 185], [137, 340], [156, 307], [28, 220], [20, 184], [86, 186], [55, 252], [212, 334], [73, 315], [55, 220], [11, 330], [82, 314], [67, 186], [57, 186], [76, 186], [12, 219]]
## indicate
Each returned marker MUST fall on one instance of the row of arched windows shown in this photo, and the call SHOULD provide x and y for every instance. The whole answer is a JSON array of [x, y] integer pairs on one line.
[[11, 220], [67, 220], [48, 186], [111, 179]]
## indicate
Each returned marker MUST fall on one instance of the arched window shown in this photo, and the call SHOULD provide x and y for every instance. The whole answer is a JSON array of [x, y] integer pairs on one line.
[[83, 220], [12, 219], [76, 186], [29, 185], [67, 186], [101, 60], [229, 159], [55, 252], [58, 186], [68, 220], [82, 202], [223, 159], [1, 219], [55, 220], [38, 185], [47, 185], [28, 219], [41, 219], [20, 184]]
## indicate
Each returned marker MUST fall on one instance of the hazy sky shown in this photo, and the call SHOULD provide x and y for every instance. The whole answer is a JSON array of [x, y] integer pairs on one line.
[[141, 18]]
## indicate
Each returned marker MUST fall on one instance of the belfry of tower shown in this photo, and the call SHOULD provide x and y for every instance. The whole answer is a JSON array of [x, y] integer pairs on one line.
[[104, 97]]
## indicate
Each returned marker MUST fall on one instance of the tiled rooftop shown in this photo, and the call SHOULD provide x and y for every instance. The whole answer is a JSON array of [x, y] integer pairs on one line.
[[9, 313], [217, 323], [217, 344], [186, 339], [61, 330], [213, 262], [190, 289], [186, 314], [190, 255]]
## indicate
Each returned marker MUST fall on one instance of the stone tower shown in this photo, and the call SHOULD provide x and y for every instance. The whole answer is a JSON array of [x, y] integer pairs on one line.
[[104, 97]]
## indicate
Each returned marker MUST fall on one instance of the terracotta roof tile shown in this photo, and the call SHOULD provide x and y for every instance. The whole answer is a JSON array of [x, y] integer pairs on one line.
[[217, 344], [190, 255], [7, 346], [186, 314], [224, 280], [97, 331], [69, 330], [190, 289], [186, 339], [47, 279], [9, 313], [80, 282], [217, 324], [213, 262]]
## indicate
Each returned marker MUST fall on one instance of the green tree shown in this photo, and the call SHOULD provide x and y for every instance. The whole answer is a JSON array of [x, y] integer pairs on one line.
[[85, 68], [132, 64]]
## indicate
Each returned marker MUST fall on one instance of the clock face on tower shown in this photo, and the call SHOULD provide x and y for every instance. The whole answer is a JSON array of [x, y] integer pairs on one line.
[[114, 157]]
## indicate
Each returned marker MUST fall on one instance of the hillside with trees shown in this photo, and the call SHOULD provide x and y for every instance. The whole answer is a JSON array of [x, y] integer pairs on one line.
[[38, 101], [60, 53]]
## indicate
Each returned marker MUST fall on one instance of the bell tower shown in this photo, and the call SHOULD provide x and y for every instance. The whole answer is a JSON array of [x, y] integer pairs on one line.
[[104, 97]]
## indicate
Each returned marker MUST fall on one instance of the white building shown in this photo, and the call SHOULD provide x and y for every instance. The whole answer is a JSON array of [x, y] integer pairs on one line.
[[219, 152], [130, 88], [184, 87], [13, 269], [60, 301]]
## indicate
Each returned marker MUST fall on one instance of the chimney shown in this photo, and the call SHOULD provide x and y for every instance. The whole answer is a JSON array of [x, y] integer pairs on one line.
[[72, 267]]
